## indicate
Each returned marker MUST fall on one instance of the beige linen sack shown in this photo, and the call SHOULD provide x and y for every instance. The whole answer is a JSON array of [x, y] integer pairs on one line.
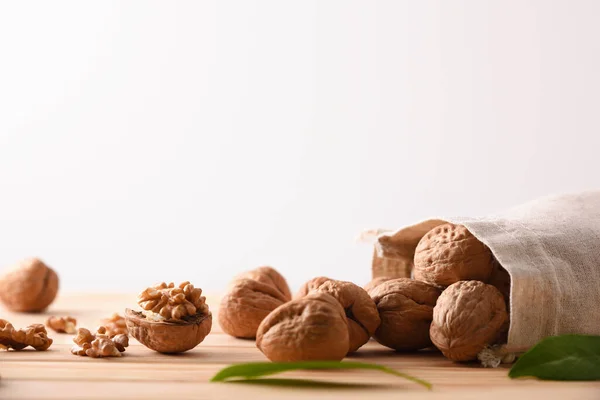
[[551, 249]]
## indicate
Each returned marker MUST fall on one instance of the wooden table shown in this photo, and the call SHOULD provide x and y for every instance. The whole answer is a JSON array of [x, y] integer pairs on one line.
[[144, 374]]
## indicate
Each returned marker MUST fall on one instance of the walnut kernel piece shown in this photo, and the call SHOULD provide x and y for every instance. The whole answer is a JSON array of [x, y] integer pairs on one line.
[[29, 286], [406, 310], [175, 319], [313, 327], [115, 325], [62, 324], [468, 316], [249, 299], [360, 309], [450, 253], [309, 285], [17, 339], [173, 303], [99, 344]]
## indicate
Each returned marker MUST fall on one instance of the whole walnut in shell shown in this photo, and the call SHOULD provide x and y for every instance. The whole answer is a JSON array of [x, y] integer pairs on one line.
[[360, 309], [29, 286], [310, 285], [174, 320], [376, 282], [468, 316], [269, 276], [450, 253], [311, 328], [406, 310], [249, 299]]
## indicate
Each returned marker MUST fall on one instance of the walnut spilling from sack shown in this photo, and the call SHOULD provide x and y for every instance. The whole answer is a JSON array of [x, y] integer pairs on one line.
[[115, 325], [99, 344], [167, 302], [17, 339], [62, 324]]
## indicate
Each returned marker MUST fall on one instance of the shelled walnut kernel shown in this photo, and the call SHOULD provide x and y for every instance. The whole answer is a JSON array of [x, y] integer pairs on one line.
[[62, 324], [17, 339], [99, 344], [115, 325]]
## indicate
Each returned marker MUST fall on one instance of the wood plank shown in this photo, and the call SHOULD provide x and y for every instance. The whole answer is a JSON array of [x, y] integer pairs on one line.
[[142, 373]]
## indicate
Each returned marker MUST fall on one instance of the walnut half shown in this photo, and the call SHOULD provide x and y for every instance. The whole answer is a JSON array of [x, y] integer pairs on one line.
[[17, 339], [174, 320]]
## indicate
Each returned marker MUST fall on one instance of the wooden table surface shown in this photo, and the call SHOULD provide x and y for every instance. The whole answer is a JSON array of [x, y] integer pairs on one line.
[[144, 374]]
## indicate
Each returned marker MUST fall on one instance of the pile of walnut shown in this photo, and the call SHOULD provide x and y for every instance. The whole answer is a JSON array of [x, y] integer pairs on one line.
[[17, 339], [99, 344], [456, 302]]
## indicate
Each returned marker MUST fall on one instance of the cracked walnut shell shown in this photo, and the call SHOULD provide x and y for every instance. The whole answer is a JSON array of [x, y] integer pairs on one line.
[[450, 253], [248, 301], [406, 310], [360, 310], [468, 316], [17, 339], [62, 324], [311, 328], [175, 319], [29, 286]]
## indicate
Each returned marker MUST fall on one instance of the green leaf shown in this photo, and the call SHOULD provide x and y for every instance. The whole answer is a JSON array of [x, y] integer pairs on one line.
[[561, 358], [249, 371]]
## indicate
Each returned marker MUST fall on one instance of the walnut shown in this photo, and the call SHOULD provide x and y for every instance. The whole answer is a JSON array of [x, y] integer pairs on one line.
[[360, 309], [310, 285], [99, 344], [406, 310], [450, 253], [249, 299], [115, 325], [62, 324], [270, 276], [468, 316], [29, 286], [175, 319], [17, 339], [313, 327], [376, 282]]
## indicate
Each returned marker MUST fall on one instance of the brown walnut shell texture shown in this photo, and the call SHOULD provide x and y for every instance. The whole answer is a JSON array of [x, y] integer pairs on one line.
[[310, 285], [168, 337], [450, 253], [360, 309], [376, 282], [248, 301], [269, 276], [468, 316], [406, 310], [310, 328], [29, 286]]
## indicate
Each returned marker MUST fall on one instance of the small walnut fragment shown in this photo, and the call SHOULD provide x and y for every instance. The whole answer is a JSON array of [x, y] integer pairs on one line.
[[309, 285], [249, 299], [406, 310], [310, 328], [468, 316], [450, 253], [99, 344], [29, 286], [62, 324], [360, 310], [115, 325], [174, 320], [17, 339]]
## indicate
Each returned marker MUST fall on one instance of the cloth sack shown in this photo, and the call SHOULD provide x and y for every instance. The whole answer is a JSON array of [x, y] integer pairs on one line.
[[551, 249]]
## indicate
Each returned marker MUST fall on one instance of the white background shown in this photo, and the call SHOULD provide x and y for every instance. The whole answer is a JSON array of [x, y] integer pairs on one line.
[[149, 141]]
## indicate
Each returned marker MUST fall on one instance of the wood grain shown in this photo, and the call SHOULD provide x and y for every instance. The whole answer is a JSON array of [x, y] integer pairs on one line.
[[144, 374]]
